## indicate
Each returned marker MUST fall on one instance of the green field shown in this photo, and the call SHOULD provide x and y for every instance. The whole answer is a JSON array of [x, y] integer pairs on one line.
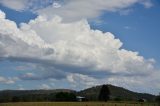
[[76, 104]]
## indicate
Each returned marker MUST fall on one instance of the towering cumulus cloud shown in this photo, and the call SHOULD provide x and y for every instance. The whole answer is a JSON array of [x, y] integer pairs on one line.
[[71, 51], [68, 44]]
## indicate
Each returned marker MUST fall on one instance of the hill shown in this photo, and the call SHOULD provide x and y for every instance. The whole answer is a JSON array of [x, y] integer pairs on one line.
[[116, 93]]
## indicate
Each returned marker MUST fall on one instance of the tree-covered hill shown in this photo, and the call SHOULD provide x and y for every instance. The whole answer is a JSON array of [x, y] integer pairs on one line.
[[91, 94], [116, 93]]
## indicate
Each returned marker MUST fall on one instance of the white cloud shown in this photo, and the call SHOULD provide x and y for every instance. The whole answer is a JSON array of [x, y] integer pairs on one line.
[[20, 87], [56, 5], [81, 81], [68, 44], [147, 3], [72, 10], [22, 5], [14, 4], [71, 50], [45, 86], [143, 84], [4, 80], [2, 15]]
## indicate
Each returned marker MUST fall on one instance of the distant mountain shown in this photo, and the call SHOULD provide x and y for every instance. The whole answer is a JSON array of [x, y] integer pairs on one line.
[[116, 93]]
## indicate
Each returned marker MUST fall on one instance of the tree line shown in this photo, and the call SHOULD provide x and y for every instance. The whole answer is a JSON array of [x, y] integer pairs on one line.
[[61, 96], [104, 95]]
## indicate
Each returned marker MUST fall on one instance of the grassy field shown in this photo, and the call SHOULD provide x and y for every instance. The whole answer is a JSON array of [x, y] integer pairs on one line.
[[76, 104]]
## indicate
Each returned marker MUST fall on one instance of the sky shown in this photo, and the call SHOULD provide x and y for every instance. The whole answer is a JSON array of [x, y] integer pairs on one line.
[[76, 44]]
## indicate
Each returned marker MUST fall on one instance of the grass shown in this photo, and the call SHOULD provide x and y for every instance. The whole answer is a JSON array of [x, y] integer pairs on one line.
[[76, 104]]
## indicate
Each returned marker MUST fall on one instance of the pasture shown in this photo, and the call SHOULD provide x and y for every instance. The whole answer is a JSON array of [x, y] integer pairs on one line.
[[76, 104]]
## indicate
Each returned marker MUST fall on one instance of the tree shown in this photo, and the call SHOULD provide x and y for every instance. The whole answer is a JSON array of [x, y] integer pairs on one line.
[[158, 99], [6, 97], [64, 96], [118, 98], [16, 99], [104, 94], [52, 97]]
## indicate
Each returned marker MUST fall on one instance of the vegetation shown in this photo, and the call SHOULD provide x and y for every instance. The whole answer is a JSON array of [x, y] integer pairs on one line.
[[60, 96], [118, 99], [63, 96], [104, 94], [90, 94], [158, 99], [116, 93], [77, 104]]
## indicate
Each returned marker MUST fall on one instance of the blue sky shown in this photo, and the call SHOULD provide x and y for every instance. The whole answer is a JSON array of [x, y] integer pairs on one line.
[[138, 30], [80, 57]]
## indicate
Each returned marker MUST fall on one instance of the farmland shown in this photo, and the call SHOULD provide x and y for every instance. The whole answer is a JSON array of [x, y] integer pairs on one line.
[[76, 104]]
